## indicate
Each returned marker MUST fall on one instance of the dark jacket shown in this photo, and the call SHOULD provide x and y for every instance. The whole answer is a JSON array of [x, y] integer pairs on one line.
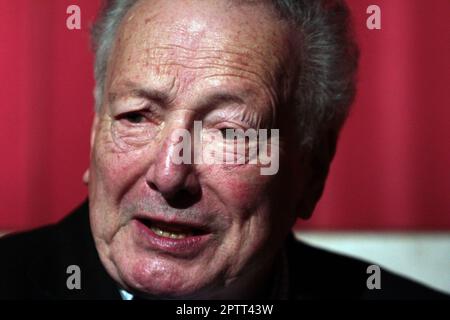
[[33, 265]]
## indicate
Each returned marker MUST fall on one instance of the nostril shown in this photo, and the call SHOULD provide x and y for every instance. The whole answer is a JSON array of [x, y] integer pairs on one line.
[[153, 186], [180, 198]]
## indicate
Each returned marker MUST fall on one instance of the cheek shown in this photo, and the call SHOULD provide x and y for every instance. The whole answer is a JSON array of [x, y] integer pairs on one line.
[[241, 188], [113, 175], [115, 170]]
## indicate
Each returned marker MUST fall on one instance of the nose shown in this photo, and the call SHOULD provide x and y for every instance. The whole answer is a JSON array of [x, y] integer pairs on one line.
[[172, 173]]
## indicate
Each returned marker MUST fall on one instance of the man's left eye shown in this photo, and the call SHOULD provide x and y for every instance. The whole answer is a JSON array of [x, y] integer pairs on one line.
[[229, 133], [232, 133], [223, 131]]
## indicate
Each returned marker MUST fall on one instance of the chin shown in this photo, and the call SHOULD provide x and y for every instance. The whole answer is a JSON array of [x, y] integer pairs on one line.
[[160, 278]]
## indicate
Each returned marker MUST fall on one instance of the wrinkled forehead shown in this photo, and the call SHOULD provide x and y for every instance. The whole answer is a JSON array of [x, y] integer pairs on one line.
[[245, 34], [197, 23]]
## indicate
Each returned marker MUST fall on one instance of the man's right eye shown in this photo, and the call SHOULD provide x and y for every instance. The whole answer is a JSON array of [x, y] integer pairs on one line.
[[133, 117]]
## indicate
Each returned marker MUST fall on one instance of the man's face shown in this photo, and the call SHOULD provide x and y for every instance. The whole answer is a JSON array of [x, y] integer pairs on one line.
[[182, 230]]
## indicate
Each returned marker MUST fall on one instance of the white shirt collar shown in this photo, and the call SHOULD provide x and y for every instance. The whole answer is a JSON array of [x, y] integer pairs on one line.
[[126, 295]]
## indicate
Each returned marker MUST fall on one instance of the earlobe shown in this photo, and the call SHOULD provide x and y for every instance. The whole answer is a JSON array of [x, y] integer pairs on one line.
[[94, 129], [92, 141], [86, 177]]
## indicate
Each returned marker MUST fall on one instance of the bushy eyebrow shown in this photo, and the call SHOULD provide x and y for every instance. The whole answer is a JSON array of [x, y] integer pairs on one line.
[[129, 88], [219, 98], [215, 99]]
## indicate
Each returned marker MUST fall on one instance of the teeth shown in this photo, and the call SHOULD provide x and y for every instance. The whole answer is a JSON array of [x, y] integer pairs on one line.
[[166, 234]]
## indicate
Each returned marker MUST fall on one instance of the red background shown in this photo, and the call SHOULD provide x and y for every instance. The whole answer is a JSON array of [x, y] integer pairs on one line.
[[391, 168]]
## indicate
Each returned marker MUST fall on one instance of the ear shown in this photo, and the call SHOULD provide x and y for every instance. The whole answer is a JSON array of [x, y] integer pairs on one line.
[[86, 177], [94, 129], [92, 140], [318, 166]]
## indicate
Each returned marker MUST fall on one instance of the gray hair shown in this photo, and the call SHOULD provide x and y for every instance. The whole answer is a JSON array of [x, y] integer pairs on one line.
[[328, 56]]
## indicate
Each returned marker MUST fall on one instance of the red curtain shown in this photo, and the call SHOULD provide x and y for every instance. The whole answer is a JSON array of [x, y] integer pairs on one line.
[[391, 168]]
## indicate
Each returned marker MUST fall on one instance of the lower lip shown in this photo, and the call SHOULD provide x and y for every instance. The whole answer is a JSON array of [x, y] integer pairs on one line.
[[186, 247]]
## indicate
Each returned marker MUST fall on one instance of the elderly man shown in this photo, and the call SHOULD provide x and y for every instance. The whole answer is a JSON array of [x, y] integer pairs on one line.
[[157, 228]]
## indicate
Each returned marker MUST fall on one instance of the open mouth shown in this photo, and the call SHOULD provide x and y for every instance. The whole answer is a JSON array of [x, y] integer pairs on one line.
[[180, 239], [172, 230]]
